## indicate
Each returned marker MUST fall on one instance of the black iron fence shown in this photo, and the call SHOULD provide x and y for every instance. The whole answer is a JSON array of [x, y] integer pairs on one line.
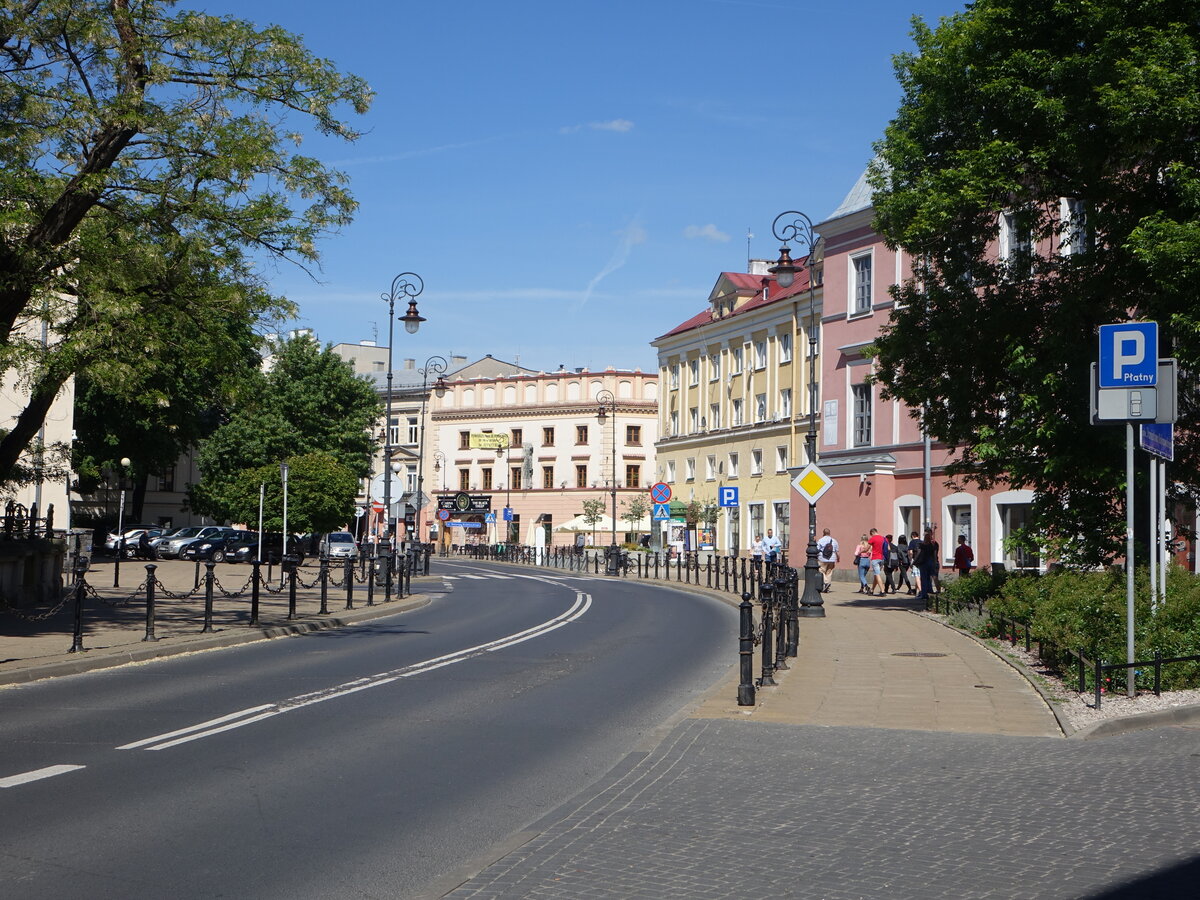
[[22, 523]]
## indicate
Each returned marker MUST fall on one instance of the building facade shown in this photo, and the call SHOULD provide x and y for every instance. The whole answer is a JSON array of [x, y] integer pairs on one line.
[[737, 392]]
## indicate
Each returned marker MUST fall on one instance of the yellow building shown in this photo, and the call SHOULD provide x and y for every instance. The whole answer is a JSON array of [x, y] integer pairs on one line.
[[736, 401]]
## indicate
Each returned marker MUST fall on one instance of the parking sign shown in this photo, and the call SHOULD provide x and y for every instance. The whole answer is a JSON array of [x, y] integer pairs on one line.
[[1128, 355], [727, 496]]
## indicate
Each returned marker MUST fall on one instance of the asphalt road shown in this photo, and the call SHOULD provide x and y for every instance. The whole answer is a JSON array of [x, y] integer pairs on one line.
[[375, 761]]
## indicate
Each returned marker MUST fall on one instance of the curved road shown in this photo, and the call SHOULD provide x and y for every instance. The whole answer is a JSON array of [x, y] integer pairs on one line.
[[386, 760]]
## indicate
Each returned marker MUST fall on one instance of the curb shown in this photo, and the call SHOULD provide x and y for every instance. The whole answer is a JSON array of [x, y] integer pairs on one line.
[[142, 652]]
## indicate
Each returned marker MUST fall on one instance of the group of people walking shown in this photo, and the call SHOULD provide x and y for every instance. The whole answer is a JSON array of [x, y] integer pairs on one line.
[[885, 565]]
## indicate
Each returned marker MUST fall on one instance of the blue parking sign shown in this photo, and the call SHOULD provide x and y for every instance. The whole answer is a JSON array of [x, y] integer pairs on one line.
[[727, 496], [1128, 355]]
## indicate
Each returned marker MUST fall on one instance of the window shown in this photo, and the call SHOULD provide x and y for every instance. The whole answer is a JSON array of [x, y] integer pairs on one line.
[[693, 420], [487, 478], [781, 459], [756, 520], [785, 403], [394, 431], [735, 365], [581, 434], [166, 481], [862, 415], [547, 477], [756, 467], [714, 367], [514, 478], [633, 476], [783, 520], [737, 411], [414, 431], [862, 285], [674, 375], [633, 435], [673, 427], [710, 468], [1075, 238], [517, 437], [464, 440], [548, 436], [733, 465], [464, 479], [1016, 244], [760, 354], [693, 371], [760, 407], [689, 468], [714, 415], [785, 348], [960, 523], [581, 476], [671, 471]]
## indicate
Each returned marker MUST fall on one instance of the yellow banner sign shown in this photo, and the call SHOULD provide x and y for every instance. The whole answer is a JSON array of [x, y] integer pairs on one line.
[[486, 440]]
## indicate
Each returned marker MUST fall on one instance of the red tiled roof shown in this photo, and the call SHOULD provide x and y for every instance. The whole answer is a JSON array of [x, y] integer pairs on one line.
[[742, 281]]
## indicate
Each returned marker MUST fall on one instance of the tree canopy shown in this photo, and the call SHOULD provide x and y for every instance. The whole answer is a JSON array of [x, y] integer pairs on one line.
[[1072, 128], [309, 403], [144, 162]]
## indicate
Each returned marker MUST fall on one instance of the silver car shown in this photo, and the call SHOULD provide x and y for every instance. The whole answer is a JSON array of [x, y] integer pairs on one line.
[[172, 546], [339, 545]]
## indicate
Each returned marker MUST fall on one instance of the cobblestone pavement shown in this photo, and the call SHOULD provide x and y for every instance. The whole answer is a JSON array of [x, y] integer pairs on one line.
[[750, 810]]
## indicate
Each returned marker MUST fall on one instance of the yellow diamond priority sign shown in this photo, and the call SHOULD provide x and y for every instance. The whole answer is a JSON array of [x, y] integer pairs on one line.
[[812, 483]]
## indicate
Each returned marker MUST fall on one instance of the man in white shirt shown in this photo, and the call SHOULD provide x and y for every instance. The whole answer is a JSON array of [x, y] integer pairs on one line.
[[772, 546]]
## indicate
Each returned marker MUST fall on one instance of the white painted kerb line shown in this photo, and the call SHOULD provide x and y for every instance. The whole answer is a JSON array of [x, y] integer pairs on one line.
[[257, 713]]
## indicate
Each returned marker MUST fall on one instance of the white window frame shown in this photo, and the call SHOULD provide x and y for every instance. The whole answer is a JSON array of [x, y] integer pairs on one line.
[[714, 416], [860, 288], [693, 372], [760, 407], [760, 355], [736, 413], [710, 467], [731, 468], [861, 415], [782, 457], [674, 376], [785, 348], [785, 403], [735, 361], [1073, 229], [670, 470], [756, 462], [714, 367], [689, 468]]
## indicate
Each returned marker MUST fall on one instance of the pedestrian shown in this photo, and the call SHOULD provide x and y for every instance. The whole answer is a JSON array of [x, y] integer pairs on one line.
[[964, 556], [914, 555], [876, 542], [862, 561], [827, 556], [772, 546], [756, 548], [927, 564], [902, 566], [891, 562]]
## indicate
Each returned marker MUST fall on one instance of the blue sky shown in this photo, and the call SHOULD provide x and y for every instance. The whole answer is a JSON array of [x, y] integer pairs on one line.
[[570, 176]]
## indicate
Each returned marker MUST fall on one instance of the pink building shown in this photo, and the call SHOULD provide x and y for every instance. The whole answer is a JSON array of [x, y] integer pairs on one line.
[[885, 474]]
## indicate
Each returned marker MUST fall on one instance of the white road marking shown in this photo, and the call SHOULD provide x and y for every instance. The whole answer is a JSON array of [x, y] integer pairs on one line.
[[36, 775], [253, 714]]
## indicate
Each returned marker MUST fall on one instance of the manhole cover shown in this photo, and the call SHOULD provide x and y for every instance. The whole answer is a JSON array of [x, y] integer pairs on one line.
[[917, 653]]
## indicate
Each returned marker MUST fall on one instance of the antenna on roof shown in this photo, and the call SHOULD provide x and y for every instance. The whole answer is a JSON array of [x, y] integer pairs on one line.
[[749, 237]]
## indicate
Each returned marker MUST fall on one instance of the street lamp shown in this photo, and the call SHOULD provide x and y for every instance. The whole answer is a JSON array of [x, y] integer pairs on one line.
[[608, 399], [283, 476], [507, 517], [125, 464], [435, 365], [410, 285], [796, 226]]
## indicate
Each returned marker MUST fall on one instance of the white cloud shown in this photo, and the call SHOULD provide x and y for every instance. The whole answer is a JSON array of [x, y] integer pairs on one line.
[[618, 125], [708, 232]]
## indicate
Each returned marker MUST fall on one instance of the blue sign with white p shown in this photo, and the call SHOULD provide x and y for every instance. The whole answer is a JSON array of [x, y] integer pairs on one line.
[[727, 496], [1128, 355]]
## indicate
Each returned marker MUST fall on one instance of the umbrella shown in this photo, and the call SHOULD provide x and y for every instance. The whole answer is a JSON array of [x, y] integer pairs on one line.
[[578, 524]]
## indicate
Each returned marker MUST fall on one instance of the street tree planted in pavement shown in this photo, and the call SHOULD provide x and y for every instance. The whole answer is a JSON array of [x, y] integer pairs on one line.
[[1072, 127], [320, 497]]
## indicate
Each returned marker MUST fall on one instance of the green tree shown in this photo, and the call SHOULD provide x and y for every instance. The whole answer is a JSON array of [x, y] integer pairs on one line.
[[130, 124], [309, 402], [634, 509], [593, 512], [1028, 110], [321, 494]]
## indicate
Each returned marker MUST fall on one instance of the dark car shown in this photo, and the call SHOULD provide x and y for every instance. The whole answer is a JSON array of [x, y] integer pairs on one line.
[[217, 547], [272, 548]]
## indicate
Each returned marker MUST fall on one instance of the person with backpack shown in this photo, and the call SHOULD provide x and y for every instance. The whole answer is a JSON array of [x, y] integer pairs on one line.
[[902, 567], [827, 556], [891, 562]]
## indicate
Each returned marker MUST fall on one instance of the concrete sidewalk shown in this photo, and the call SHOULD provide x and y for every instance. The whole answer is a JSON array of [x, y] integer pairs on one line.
[[36, 643], [872, 663]]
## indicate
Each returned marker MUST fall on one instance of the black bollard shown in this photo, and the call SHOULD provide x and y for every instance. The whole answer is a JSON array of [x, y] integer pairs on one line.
[[290, 565], [746, 653], [766, 594], [208, 598], [80, 587], [371, 587], [196, 586], [792, 580], [255, 581], [150, 604], [117, 561], [350, 583], [780, 623], [324, 611]]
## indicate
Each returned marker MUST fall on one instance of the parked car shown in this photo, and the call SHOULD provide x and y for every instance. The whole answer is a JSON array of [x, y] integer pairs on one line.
[[217, 547], [272, 548], [173, 546], [339, 545], [131, 533]]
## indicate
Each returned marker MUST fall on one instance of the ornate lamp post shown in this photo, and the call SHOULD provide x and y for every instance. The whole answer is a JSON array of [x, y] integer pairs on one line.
[[125, 464], [410, 285], [607, 400], [507, 446], [796, 226], [435, 365]]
